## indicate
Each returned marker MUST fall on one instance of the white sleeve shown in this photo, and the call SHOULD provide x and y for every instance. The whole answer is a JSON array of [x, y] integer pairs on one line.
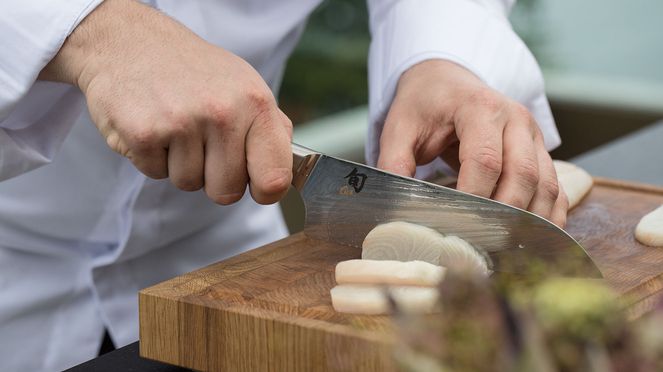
[[474, 34], [35, 116]]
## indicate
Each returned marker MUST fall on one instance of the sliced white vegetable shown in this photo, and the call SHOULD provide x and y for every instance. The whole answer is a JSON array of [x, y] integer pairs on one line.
[[650, 228], [404, 241], [459, 256], [575, 181], [372, 300], [417, 273]]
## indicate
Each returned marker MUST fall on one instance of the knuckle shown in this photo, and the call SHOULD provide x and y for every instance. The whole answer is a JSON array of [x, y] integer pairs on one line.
[[287, 124], [550, 189], [487, 99], [489, 160], [527, 172], [180, 121], [264, 109], [523, 117], [220, 114], [179, 128], [144, 138], [522, 112], [260, 99]]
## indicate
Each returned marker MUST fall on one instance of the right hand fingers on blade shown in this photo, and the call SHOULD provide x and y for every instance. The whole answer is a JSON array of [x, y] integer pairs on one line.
[[269, 156], [397, 146], [520, 171], [560, 209], [547, 193], [480, 152]]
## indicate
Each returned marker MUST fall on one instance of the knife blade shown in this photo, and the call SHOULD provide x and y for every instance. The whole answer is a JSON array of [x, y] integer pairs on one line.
[[344, 200]]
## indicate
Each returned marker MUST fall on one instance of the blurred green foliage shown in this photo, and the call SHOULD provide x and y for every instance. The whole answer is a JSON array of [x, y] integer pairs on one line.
[[327, 71], [556, 325]]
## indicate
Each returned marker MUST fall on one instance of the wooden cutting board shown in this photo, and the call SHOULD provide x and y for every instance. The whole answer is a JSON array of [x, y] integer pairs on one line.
[[269, 309]]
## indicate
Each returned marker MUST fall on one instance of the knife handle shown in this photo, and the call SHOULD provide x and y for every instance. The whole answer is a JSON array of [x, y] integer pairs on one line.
[[303, 161]]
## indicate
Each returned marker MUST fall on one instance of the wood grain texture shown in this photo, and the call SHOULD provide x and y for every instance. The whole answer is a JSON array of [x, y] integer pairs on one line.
[[604, 223], [269, 309]]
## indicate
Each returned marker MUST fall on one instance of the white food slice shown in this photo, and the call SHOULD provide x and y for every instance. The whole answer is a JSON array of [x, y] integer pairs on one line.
[[372, 300], [575, 181], [459, 256], [650, 228], [417, 273], [404, 241]]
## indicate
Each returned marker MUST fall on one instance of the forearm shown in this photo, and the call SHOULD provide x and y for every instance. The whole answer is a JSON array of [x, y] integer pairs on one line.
[[95, 43], [69, 62]]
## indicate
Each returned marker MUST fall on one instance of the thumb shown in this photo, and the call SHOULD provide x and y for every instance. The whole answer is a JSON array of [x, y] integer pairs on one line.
[[397, 147], [269, 157]]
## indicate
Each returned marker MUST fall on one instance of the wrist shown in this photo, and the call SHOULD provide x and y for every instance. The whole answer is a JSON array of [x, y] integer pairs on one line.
[[92, 44], [442, 68]]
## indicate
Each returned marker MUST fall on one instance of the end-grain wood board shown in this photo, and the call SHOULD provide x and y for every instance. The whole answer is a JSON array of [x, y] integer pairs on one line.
[[269, 309]]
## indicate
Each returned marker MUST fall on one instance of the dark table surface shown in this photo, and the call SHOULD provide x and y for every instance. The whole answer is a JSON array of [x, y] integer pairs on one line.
[[125, 359], [636, 157]]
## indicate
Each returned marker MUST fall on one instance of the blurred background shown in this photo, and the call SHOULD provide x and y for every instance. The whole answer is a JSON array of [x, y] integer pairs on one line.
[[602, 62]]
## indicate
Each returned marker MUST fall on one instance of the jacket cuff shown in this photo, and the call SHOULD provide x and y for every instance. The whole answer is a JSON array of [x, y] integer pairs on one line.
[[33, 31]]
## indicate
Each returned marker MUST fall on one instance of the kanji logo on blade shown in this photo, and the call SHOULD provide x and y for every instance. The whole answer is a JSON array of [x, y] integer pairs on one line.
[[356, 180]]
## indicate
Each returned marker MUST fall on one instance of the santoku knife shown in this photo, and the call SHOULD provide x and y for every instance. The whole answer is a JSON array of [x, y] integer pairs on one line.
[[345, 200]]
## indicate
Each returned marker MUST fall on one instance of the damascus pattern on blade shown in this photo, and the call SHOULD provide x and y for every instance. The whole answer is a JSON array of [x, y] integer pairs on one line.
[[345, 200]]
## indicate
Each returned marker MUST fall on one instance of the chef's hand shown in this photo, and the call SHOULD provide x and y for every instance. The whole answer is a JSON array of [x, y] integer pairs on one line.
[[177, 106], [442, 109]]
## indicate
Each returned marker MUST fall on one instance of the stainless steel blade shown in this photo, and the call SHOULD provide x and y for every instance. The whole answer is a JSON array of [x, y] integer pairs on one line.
[[345, 200]]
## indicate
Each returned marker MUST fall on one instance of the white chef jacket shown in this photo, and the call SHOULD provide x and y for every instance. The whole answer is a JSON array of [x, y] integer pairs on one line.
[[81, 231]]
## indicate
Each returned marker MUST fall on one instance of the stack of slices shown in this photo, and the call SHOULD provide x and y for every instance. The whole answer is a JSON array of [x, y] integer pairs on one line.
[[404, 262]]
